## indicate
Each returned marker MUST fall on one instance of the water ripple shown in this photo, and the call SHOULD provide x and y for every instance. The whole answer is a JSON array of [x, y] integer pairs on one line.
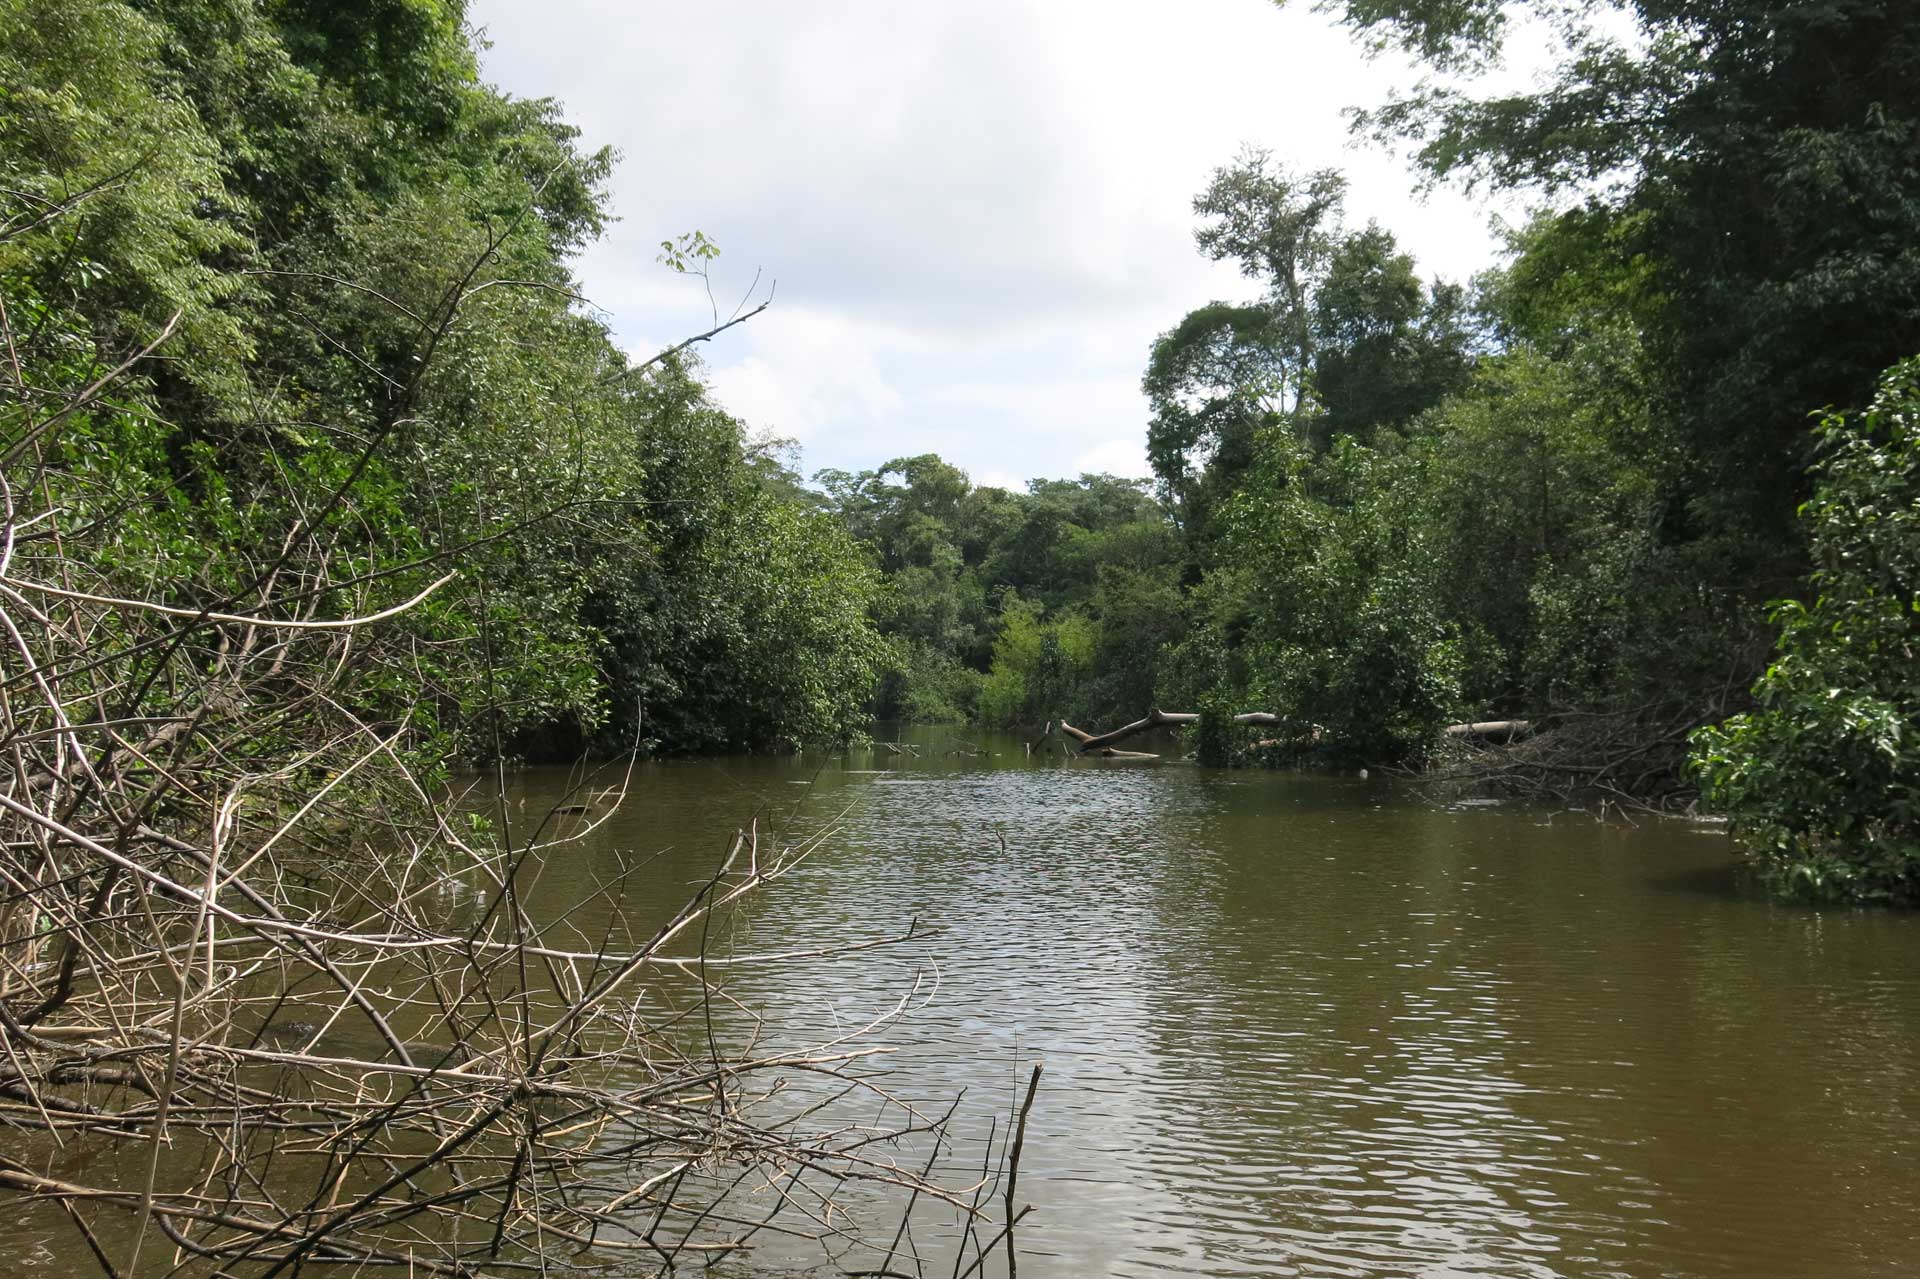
[[1301, 1026]]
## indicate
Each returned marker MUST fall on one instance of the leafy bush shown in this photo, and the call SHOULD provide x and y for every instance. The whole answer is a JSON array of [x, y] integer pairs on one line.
[[354, 259], [1346, 627], [923, 685], [1822, 780], [1040, 668]]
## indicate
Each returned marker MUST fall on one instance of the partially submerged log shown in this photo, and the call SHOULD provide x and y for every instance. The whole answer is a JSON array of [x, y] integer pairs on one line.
[[1492, 730], [1299, 742], [1153, 719]]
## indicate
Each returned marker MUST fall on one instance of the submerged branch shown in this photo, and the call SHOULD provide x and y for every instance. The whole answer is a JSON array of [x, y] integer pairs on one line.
[[1153, 719]]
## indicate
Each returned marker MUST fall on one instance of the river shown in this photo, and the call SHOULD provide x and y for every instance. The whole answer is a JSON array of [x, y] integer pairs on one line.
[[1298, 1024]]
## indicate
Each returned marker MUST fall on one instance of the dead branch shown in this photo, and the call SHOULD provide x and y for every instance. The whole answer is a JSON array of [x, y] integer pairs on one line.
[[279, 1012], [1631, 758], [1152, 720]]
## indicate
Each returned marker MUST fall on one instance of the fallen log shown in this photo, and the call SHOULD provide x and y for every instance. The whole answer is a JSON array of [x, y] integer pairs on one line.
[[1298, 742], [1153, 719], [1492, 730]]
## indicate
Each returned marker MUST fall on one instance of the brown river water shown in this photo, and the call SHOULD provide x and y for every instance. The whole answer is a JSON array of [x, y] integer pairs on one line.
[[1298, 1024], [1307, 1025]]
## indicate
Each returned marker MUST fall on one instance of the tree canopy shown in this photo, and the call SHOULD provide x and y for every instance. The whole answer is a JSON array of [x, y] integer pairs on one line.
[[372, 365], [311, 340]]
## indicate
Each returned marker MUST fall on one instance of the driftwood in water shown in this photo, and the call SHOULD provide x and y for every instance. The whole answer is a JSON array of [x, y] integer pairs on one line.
[[1492, 730], [1299, 742], [1630, 758], [1154, 719]]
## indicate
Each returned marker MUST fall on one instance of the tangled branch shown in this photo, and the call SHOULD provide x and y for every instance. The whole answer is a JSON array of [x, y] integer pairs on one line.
[[268, 1004]]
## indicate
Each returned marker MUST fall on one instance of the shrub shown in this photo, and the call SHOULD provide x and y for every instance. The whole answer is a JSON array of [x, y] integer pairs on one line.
[[1822, 780]]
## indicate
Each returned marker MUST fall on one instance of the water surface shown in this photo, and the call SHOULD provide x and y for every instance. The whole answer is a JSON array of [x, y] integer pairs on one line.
[[1310, 1025]]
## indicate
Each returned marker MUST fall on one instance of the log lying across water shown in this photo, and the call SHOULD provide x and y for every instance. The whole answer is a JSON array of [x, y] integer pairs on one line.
[[1090, 742]]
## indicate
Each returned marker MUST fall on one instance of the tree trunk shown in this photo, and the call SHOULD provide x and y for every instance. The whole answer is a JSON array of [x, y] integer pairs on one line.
[[1154, 719], [1492, 730]]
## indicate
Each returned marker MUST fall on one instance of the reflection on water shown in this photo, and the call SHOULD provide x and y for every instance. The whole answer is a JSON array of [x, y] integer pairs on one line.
[[1309, 1026], [1299, 1025]]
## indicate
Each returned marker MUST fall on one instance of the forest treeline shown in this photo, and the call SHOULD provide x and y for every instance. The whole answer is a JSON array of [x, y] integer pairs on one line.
[[318, 477], [292, 330], [1565, 491], [366, 363]]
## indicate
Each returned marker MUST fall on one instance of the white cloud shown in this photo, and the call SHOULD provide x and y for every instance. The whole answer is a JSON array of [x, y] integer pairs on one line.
[[999, 479], [979, 216], [1065, 404], [805, 372], [1127, 457]]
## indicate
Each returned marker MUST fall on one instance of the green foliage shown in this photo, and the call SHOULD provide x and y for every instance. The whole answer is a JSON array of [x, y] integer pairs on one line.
[[1004, 694], [748, 627], [1759, 160], [1535, 489], [1447, 33], [1558, 495], [1012, 607], [1216, 735], [1039, 667], [1212, 382], [1343, 620], [1822, 779], [1474, 511], [925, 685], [1613, 491], [376, 372], [104, 222], [1346, 341], [1314, 589], [691, 252], [1141, 616], [1387, 349]]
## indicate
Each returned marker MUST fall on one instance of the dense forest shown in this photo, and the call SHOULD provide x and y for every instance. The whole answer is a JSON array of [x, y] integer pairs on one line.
[[323, 482], [307, 344], [1564, 492], [338, 265]]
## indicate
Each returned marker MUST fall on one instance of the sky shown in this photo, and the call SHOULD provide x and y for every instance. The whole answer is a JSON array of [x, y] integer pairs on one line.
[[976, 217]]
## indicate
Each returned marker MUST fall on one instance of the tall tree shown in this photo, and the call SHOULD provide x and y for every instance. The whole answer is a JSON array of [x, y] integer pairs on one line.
[[1388, 347], [1283, 230], [1759, 155], [1346, 338]]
